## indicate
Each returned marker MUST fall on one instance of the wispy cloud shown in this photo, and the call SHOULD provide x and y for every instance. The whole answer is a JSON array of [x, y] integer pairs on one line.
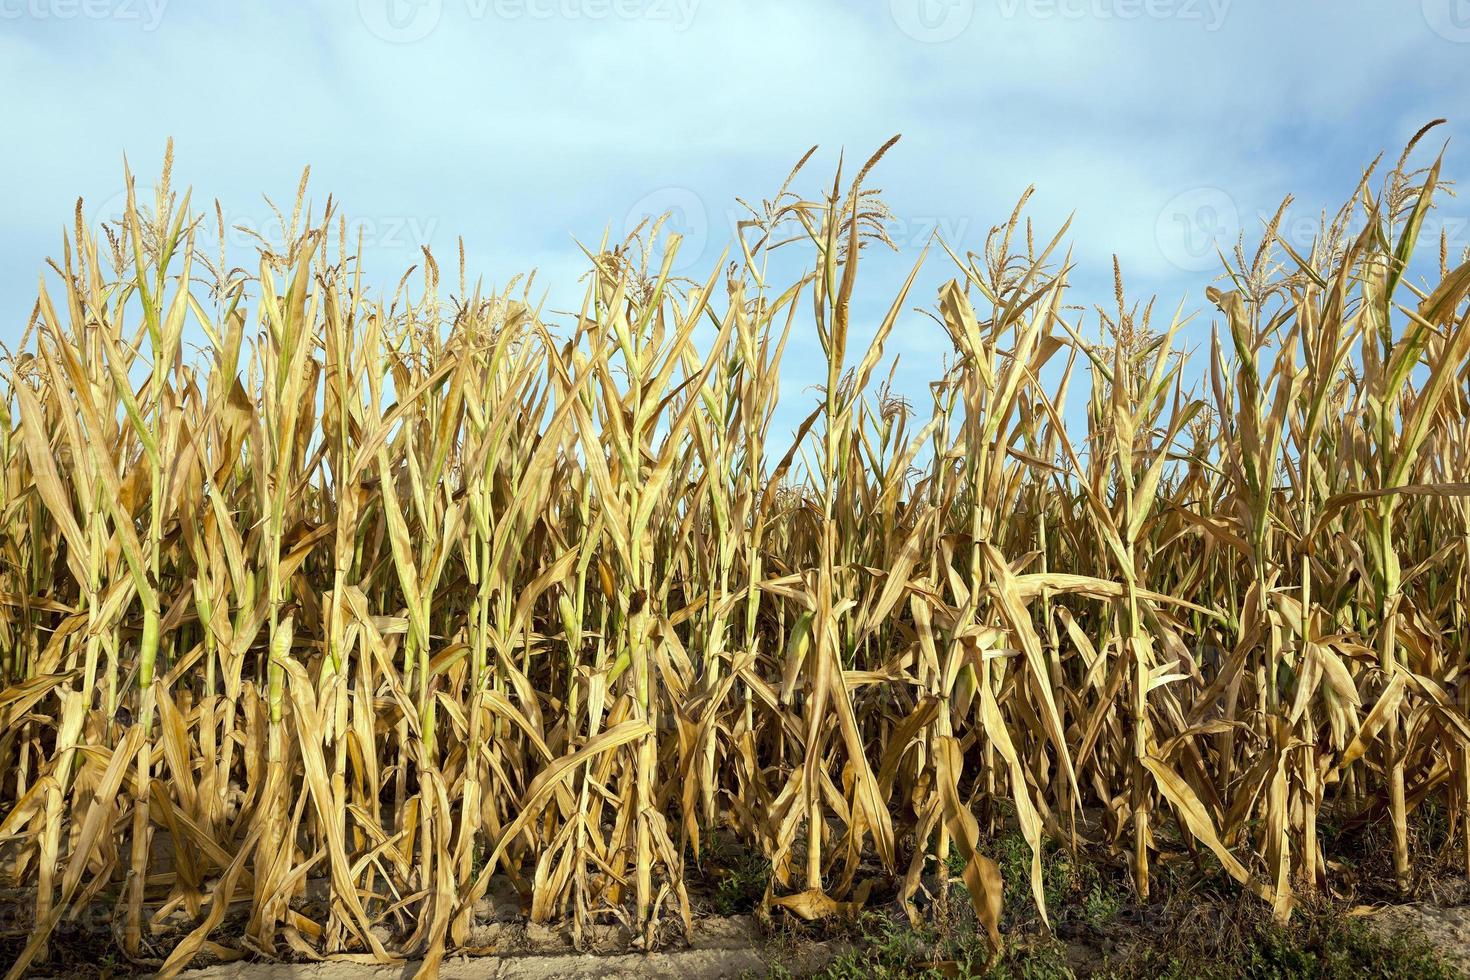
[[1161, 126]]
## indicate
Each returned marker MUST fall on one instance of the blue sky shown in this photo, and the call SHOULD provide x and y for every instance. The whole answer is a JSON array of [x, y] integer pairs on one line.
[[522, 123]]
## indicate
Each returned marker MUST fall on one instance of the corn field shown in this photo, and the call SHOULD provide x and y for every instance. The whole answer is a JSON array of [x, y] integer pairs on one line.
[[407, 594]]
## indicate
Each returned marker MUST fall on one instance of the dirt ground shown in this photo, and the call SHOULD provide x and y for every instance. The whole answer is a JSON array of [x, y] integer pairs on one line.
[[719, 947], [684, 963], [503, 945], [1447, 929]]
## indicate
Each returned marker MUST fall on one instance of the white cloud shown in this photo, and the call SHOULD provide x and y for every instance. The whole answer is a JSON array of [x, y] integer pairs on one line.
[[518, 130]]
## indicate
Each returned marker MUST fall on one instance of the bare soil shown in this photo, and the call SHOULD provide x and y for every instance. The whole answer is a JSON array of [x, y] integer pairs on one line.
[[1446, 928], [719, 947]]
